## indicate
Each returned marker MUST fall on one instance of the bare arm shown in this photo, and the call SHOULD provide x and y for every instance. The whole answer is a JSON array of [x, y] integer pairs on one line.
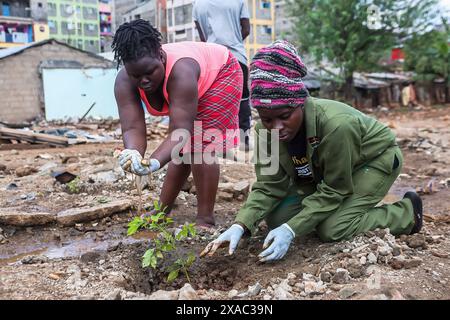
[[132, 119], [200, 32], [183, 92], [245, 27]]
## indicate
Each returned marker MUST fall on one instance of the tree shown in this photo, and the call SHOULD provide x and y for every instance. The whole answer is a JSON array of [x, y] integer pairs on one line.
[[354, 34], [428, 55]]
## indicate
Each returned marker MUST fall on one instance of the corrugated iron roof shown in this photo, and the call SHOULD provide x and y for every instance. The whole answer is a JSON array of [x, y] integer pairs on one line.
[[5, 53]]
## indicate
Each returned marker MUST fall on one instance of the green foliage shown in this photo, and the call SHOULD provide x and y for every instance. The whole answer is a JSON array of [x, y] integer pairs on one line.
[[165, 242], [338, 31], [428, 54], [74, 186]]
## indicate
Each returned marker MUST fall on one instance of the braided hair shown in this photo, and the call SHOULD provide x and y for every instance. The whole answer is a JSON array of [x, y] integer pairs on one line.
[[134, 40]]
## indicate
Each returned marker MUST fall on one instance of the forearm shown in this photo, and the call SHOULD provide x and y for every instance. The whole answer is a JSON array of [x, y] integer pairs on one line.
[[135, 139], [164, 152]]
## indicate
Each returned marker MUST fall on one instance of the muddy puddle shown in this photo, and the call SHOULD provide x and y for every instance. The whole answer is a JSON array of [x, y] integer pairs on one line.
[[65, 243]]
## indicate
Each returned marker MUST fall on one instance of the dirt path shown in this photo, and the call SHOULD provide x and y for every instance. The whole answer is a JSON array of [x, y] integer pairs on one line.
[[96, 260]]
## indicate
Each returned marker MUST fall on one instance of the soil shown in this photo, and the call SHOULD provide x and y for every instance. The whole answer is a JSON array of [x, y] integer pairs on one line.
[[92, 260]]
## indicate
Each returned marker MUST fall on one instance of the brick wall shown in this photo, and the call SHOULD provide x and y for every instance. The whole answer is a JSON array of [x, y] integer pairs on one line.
[[21, 92]]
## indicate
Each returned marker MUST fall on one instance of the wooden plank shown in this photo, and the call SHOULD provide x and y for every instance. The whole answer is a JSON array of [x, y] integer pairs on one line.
[[24, 146], [32, 137]]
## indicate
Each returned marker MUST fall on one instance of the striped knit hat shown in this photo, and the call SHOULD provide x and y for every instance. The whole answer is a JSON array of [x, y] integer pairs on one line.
[[276, 73]]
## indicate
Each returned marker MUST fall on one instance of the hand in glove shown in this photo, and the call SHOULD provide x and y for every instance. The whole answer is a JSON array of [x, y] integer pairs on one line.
[[281, 238], [231, 235], [131, 160]]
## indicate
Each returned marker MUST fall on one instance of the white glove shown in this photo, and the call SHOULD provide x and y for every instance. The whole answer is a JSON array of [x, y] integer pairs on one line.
[[231, 235], [131, 160], [281, 238]]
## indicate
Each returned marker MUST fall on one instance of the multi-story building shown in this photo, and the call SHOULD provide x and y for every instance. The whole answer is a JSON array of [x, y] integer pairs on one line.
[[284, 22], [119, 9], [180, 25], [75, 22], [105, 15], [40, 20], [152, 11], [22, 22], [262, 25]]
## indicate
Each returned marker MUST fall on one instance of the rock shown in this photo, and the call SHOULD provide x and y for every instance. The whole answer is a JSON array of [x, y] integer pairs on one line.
[[347, 292], [187, 293], [282, 291], [355, 269], [25, 219], [226, 196], [397, 262], [267, 297], [325, 277], [413, 263], [371, 258], [11, 186], [372, 269], [72, 216], [45, 156], [47, 168], [104, 177], [34, 259], [416, 241], [2, 167], [341, 276], [254, 290], [71, 159], [242, 187], [312, 287], [232, 293], [308, 277], [396, 251], [164, 295], [91, 256], [385, 250], [25, 171], [363, 260], [54, 276], [114, 295]]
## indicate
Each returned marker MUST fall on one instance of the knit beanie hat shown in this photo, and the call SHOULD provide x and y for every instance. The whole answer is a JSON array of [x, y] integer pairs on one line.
[[276, 73]]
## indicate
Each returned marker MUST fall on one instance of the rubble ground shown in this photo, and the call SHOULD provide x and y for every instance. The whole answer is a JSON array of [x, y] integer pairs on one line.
[[68, 241]]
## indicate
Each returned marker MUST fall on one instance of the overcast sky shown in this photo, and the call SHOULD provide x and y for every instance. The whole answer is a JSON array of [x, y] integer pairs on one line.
[[446, 6]]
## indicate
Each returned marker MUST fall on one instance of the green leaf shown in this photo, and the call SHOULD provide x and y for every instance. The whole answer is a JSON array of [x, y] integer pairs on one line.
[[134, 225], [153, 262], [148, 258], [169, 220], [173, 275], [190, 260], [156, 205], [159, 255], [167, 247]]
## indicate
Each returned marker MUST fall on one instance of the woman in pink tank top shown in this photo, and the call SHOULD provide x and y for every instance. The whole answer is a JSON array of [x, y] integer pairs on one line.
[[199, 86]]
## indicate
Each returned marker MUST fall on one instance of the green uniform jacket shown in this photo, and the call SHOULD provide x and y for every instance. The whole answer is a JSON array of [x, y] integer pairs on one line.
[[340, 140]]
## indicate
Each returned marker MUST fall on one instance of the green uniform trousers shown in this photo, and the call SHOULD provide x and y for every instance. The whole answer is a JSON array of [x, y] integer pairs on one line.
[[358, 213]]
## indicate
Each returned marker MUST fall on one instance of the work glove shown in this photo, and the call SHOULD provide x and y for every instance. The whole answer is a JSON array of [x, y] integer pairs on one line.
[[231, 235], [131, 161], [281, 238]]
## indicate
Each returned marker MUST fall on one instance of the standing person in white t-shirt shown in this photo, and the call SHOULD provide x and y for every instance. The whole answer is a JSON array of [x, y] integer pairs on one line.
[[228, 23]]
